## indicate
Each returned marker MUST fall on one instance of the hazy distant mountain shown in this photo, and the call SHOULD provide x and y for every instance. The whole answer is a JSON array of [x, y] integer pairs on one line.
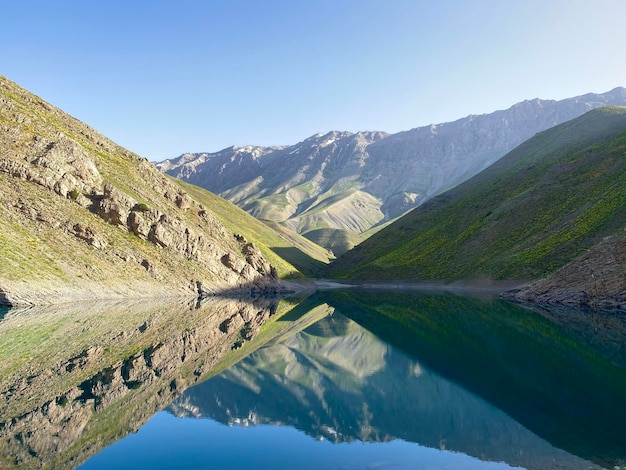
[[353, 182]]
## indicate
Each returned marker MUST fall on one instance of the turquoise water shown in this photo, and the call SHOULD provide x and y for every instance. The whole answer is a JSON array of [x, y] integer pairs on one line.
[[344, 379], [401, 381]]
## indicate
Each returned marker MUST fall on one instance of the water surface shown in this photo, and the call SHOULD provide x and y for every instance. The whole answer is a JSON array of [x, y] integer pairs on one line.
[[415, 381], [342, 379]]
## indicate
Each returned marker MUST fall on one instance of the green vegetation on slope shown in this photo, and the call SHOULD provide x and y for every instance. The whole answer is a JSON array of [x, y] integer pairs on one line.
[[83, 217], [530, 213], [350, 210], [290, 252], [336, 240]]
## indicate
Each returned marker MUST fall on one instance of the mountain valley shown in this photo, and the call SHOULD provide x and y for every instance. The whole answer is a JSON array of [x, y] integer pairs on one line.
[[163, 285], [340, 187], [84, 218]]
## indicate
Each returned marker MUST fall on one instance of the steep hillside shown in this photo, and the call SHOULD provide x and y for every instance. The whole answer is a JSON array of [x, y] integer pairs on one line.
[[282, 243], [597, 279], [532, 212], [353, 182], [306, 187], [83, 218]]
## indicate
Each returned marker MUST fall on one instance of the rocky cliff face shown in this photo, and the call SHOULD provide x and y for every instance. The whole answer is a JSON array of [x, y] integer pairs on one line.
[[353, 182], [85, 218]]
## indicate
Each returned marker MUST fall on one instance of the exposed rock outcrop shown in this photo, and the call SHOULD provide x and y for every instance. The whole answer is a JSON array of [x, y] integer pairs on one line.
[[85, 218], [597, 279], [89, 235], [60, 165]]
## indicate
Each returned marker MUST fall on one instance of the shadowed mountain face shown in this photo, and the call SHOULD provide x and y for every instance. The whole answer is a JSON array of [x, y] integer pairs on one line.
[[77, 378], [438, 382], [353, 182]]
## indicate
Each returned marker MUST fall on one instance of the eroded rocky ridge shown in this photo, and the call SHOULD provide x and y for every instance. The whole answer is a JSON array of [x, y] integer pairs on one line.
[[85, 218], [355, 181], [597, 279], [76, 400]]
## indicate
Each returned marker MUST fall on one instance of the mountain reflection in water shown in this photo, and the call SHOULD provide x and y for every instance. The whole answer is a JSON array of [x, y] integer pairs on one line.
[[429, 370], [342, 379], [76, 378]]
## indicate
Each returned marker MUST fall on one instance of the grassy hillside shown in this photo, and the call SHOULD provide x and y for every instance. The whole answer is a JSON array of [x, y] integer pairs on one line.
[[533, 211], [82, 217], [336, 240], [353, 211], [596, 279], [356, 182], [294, 254]]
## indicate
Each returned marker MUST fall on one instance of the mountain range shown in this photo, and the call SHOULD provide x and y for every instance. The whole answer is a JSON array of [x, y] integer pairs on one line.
[[534, 194], [84, 218], [338, 188]]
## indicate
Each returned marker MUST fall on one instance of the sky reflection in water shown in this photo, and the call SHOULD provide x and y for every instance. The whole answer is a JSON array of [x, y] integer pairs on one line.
[[170, 442]]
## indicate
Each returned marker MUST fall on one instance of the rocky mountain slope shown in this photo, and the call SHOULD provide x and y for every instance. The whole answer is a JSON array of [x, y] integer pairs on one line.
[[83, 218], [348, 182], [597, 279], [534, 211]]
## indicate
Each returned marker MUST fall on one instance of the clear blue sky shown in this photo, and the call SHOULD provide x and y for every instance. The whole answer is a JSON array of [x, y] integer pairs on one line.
[[166, 77]]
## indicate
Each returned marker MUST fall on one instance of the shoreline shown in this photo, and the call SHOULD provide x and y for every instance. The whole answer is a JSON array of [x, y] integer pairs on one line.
[[480, 286], [507, 290], [23, 296]]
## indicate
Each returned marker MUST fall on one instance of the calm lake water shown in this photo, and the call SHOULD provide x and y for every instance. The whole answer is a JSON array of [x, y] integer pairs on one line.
[[342, 379]]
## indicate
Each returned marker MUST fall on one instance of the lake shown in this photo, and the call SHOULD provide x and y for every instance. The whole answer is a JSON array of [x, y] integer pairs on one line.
[[344, 379]]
